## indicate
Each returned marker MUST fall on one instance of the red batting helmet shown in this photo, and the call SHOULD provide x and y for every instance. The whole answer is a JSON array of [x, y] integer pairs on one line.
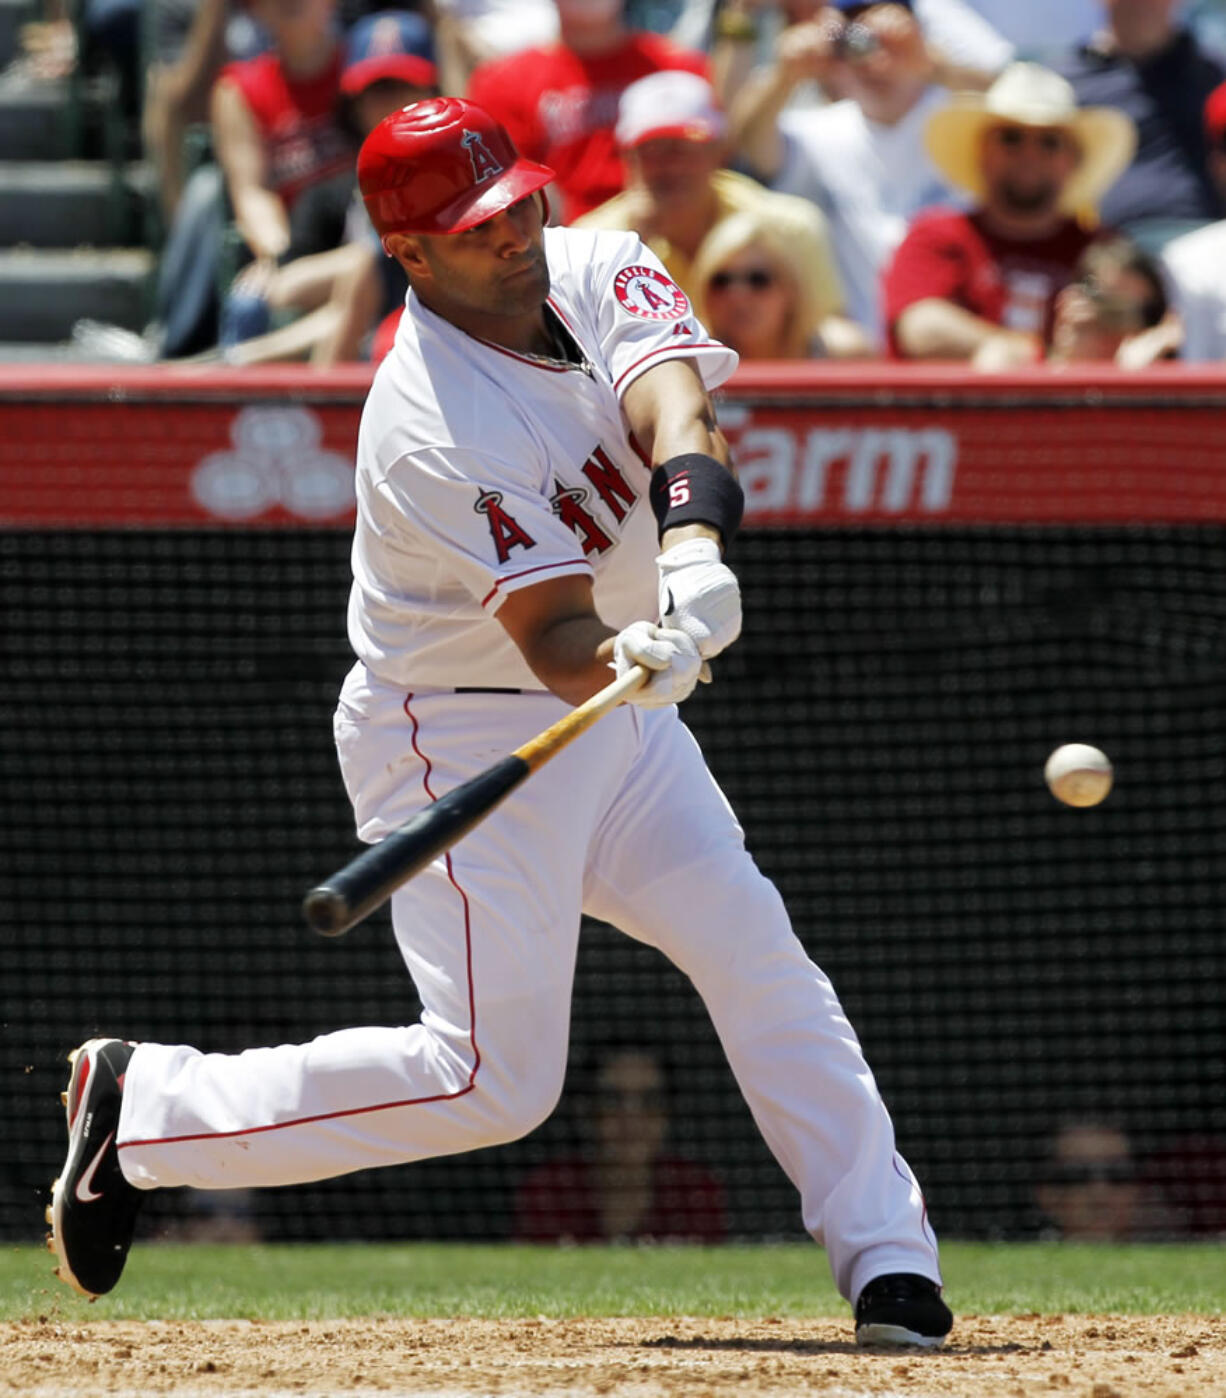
[[441, 166]]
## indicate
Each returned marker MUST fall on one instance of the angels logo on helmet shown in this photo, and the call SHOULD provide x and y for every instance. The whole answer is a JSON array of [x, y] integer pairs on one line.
[[485, 164]]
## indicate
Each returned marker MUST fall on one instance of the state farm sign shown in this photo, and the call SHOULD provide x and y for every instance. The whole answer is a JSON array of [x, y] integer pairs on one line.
[[795, 473]]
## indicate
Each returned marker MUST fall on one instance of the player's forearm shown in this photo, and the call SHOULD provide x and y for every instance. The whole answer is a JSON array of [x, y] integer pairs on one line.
[[671, 414], [572, 656]]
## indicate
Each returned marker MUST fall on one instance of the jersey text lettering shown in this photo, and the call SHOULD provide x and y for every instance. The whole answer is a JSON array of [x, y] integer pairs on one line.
[[567, 504], [610, 484]]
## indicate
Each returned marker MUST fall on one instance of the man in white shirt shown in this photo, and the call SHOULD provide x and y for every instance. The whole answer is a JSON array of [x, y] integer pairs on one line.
[[861, 159], [1196, 262]]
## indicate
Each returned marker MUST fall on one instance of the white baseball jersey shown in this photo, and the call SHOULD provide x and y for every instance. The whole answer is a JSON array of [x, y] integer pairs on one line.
[[481, 471]]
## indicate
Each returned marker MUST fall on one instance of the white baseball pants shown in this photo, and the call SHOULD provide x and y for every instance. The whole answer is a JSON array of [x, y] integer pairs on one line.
[[625, 824]]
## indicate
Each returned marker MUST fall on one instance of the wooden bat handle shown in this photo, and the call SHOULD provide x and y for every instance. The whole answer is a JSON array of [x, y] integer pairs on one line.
[[537, 751]]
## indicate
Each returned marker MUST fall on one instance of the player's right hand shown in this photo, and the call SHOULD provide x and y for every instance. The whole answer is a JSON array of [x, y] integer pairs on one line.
[[671, 655]]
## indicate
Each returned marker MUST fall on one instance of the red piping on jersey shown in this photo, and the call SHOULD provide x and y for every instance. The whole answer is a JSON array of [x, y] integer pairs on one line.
[[557, 310], [672, 350], [540, 568], [378, 1106], [468, 931]]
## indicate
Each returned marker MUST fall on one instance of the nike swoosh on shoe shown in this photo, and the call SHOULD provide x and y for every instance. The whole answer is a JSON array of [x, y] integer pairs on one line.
[[84, 1191]]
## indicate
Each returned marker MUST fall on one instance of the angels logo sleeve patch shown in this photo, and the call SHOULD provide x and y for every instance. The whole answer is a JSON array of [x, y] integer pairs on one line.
[[650, 294], [645, 317]]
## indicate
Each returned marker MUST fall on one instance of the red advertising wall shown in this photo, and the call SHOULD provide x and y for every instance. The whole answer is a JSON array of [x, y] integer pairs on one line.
[[88, 447]]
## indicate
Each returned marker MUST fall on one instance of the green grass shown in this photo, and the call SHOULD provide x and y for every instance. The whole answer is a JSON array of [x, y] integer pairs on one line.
[[297, 1282]]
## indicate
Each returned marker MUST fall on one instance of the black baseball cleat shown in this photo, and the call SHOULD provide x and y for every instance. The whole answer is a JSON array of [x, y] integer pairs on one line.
[[901, 1308], [93, 1208]]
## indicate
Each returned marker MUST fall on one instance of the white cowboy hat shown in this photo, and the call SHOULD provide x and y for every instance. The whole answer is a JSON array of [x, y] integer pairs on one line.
[[1026, 94]]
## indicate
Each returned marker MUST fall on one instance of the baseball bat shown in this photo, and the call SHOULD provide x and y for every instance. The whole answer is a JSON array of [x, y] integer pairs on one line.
[[368, 880]]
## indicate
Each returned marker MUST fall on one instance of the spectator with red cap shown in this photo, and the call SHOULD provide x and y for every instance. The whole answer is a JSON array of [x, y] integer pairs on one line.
[[1196, 262], [981, 285], [559, 102], [671, 135], [333, 270]]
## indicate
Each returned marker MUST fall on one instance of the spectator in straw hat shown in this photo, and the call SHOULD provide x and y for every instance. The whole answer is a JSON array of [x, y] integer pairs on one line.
[[1196, 262], [981, 285], [671, 135]]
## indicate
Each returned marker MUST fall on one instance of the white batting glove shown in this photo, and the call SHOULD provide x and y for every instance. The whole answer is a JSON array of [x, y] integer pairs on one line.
[[699, 594], [671, 655]]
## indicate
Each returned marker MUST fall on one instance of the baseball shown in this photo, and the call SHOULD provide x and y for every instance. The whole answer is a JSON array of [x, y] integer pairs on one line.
[[1078, 774]]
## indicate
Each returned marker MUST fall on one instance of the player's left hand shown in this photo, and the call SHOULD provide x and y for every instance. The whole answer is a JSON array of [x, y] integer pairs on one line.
[[670, 655], [699, 594]]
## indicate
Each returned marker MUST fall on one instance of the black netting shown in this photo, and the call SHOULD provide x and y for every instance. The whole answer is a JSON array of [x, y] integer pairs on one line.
[[169, 791]]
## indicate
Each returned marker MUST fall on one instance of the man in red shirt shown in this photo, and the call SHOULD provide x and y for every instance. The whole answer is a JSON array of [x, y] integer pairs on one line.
[[981, 285], [559, 103]]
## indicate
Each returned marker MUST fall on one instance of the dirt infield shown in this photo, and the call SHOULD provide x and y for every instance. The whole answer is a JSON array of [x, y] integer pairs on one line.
[[988, 1357]]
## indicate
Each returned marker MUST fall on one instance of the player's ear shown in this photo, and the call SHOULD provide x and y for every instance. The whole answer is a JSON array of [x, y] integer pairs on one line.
[[407, 250]]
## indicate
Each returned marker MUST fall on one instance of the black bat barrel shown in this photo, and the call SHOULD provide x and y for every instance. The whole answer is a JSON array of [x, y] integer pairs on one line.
[[355, 891]]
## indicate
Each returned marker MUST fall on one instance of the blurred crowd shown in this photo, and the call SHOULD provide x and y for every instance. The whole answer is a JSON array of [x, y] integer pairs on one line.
[[970, 180]]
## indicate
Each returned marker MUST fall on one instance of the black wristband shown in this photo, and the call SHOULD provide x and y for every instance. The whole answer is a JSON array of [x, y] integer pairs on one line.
[[696, 489]]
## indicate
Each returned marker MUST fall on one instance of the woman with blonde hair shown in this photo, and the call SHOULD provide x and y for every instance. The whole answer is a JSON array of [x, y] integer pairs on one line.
[[756, 290]]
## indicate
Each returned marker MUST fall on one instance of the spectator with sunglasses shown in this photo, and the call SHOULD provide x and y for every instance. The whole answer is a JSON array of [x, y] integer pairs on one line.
[[623, 1182], [754, 290], [982, 285]]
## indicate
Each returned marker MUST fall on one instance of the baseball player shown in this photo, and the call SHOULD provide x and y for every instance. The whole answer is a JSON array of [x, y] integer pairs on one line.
[[543, 496]]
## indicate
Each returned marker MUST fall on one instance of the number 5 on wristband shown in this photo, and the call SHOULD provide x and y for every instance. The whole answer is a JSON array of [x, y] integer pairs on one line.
[[696, 489]]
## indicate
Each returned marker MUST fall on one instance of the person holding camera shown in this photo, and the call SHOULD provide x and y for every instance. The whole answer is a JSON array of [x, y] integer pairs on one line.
[[861, 158]]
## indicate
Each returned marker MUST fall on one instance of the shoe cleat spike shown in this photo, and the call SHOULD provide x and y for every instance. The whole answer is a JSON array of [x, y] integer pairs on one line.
[[48, 1215], [50, 1242], [64, 1098]]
